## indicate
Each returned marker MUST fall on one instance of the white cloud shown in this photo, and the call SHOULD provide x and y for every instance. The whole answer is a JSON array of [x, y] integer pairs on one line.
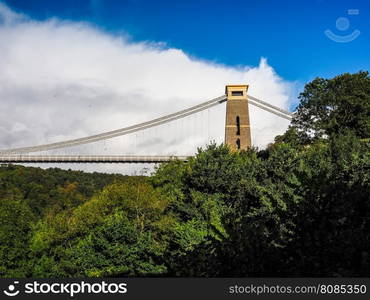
[[61, 80]]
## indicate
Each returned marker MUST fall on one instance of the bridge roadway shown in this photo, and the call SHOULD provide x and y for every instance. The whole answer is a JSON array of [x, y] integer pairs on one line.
[[88, 159]]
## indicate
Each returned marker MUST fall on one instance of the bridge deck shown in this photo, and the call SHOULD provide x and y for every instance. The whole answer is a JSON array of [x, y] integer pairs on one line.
[[88, 159]]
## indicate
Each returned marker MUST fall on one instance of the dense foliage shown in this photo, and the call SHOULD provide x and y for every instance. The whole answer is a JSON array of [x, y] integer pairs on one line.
[[298, 208]]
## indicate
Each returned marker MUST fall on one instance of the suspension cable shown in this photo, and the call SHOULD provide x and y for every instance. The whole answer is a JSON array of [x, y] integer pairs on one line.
[[270, 105], [284, 116], [121, 131], [155, 122]]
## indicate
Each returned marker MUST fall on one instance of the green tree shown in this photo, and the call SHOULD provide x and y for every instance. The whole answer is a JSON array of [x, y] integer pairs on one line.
[[119, 232], [15, 226], [332, 220], [328, 106]]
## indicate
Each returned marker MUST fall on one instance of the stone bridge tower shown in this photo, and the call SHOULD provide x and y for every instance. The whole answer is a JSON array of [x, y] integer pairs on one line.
[[237, 127]]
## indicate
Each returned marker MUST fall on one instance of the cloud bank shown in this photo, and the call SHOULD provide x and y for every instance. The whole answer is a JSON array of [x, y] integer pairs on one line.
[[62, 80]]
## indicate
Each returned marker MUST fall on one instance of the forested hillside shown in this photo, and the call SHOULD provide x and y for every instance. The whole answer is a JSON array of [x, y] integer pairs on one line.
[[300, 207]]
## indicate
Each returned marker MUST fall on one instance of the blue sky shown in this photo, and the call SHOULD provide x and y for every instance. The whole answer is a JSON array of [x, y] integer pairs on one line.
[[290, 34]]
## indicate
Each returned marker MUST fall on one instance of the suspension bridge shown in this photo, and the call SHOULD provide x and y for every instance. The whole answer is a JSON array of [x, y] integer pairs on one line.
[[237, 133]]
